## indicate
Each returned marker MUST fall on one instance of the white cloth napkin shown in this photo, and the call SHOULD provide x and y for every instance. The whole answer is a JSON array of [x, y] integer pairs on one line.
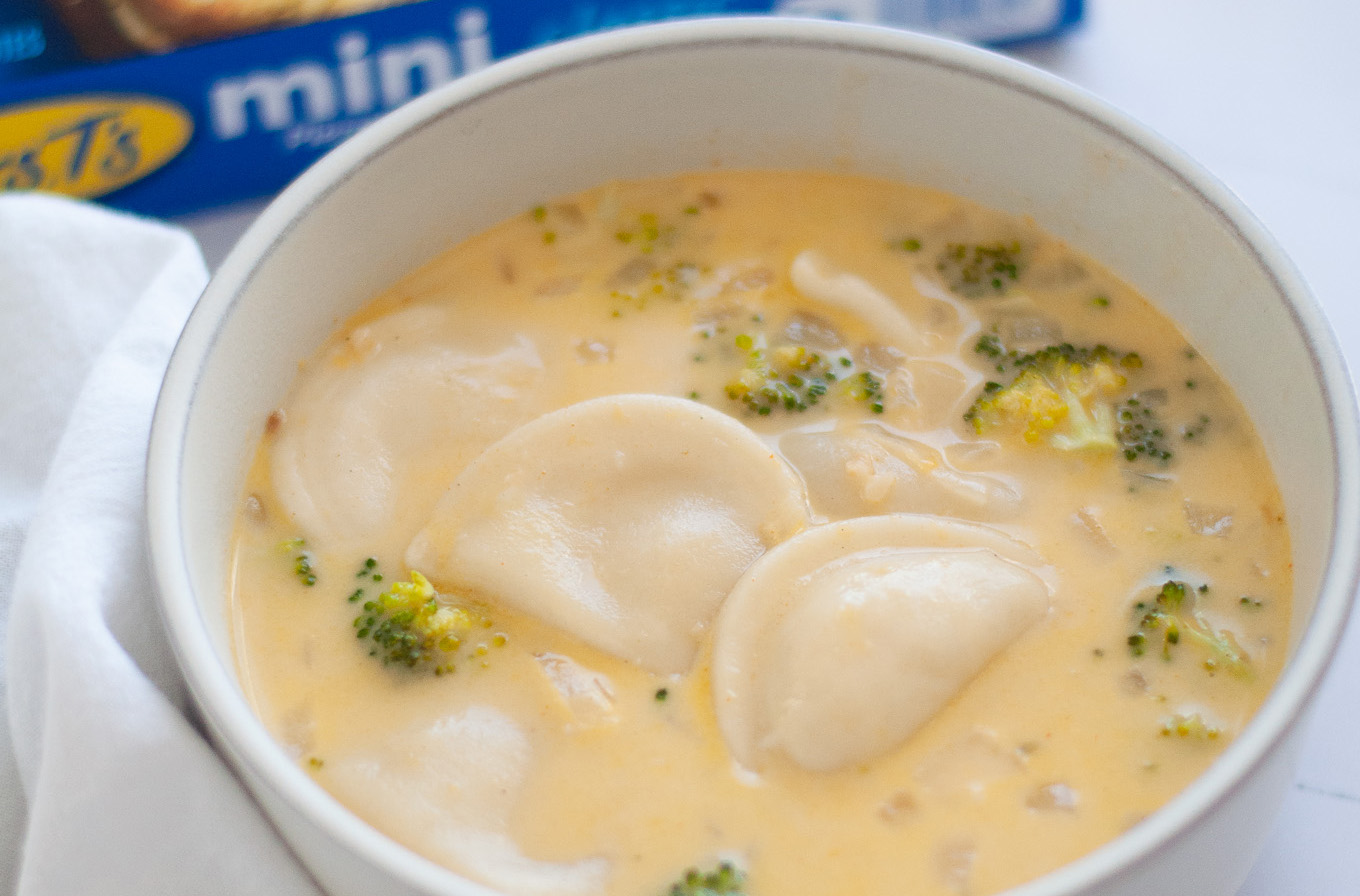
[[108, 788]]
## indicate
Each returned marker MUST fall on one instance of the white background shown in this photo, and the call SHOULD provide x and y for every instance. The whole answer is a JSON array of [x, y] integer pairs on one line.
[[1267, 96]]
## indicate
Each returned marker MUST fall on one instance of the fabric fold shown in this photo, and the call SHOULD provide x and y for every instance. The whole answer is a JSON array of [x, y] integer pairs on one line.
[[124, 795]]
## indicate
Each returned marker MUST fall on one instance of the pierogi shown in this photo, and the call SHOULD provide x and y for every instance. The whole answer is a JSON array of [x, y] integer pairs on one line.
[[838, 531]]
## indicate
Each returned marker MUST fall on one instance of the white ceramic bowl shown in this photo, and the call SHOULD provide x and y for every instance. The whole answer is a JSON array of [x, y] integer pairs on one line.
[[757, 93]]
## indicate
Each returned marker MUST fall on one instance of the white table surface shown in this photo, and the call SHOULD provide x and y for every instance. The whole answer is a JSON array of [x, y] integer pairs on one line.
[[1266, 94]]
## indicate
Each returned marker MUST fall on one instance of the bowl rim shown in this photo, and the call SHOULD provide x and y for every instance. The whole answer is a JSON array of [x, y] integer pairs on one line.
[[214, 686]]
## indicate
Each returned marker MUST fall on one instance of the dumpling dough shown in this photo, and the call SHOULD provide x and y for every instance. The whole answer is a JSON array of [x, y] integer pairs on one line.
[[837, 645], [352, 457], [623, 520], [482, 755], [863, 469]]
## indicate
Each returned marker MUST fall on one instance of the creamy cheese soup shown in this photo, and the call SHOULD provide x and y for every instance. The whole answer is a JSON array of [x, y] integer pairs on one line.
[[839, 534]]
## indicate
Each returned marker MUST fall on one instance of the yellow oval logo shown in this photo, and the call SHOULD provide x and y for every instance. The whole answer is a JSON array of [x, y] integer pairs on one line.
[[88, 146]]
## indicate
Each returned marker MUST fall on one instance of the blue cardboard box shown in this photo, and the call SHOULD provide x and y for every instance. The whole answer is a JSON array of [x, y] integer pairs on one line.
[[161, 130]]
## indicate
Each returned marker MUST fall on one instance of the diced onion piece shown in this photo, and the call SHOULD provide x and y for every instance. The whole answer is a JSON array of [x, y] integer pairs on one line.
[[587, 696], [1208, 519], [954, 859], [1055, 797], [1029, 332]]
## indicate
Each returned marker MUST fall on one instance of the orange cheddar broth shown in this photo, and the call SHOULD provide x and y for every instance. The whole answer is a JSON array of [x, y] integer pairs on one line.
[[1056, 747]]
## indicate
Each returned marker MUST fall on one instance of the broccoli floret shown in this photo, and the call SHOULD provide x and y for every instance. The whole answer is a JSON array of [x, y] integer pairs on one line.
[[411, 625], [989, 344], [1059, 396], [647, 233], [1190, 726], [794, 378], [974, 271], [725, 880], [1174, 612], [303, 567], [1196, 430], [1141, 433], [671, 283]]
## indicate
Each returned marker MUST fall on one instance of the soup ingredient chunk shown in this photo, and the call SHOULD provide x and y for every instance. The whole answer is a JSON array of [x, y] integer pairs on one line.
[[1190, 726], [1060, 396], [410, 625], [835, 647], [983, 269], [1174, 615], [623, 520], [861, 469], [401, 783], [352, 455], [794, 378], [815, 278], [725, 880]]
